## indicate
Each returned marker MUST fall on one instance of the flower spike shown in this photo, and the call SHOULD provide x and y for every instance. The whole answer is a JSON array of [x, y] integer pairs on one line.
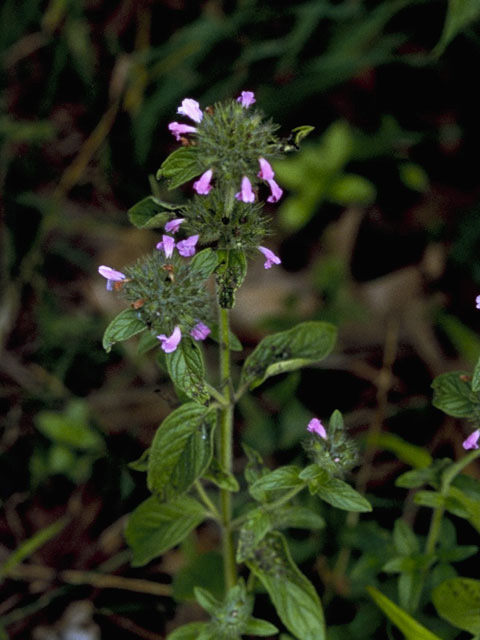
[[271, 258], [186, 248], [246, 98], [246, 194], [170, 343], [202, 186], [315, 426], [111, 275], [191, 109]]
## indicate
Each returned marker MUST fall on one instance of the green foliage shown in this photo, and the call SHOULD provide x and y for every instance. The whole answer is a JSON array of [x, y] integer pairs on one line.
[[305, 344], [458, 601], [123, 327], [204, 570], [453, 394], [181, 450], [155, 527], [460, 14], [333, 490], [230, 273], [187, 370], [151, 213], [293, 596], [180, 167]]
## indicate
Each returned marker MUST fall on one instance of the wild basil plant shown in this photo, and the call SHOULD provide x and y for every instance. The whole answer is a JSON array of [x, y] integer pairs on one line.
[[226, 151]]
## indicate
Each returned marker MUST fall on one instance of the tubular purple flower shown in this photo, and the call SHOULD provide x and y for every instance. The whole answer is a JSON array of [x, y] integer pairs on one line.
[[315, 426], [167, 245], [271, 258], [174, 225], [111, 275], [200, 331], [246, 98], [176, 128], [277, 192], [186, 248], [477, 301], [266, 172], [191, 109], [202, 186], [246, 194], [170, 343], [472, 441]]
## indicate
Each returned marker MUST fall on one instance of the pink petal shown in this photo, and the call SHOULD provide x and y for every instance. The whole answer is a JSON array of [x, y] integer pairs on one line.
[[271, 258], [191, 109], [477, 301], [167, 245], [472, 441], [246, 98], [202, 186], [246, 194], [200, 331], [174, 225], [186, 248], [266, 172], [111, 275], [177, 129], [277, 192], [170, 343], [315, 426]]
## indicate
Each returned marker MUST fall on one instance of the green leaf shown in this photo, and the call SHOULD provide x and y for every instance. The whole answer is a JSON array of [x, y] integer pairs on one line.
[[300, 133], [189, 631], [405, 451], [412, 629], [458, 601], [70, 428], [460, 14], [476, 378], [220, 477], [231, 272], [414, 176], [278, 480], [204, 263], [151, 213], [27, 547], [155, 527], [333, 490], [298, 518], [351, 189], [256, 627], [141, 464], [404, 539], [418, 477], [207, 601], [124, 326], [452, 394], [181, 450], [187, 371], [433, 499], [180, 166], [303, 345], [293, 596], [470, 505], [146, 343]]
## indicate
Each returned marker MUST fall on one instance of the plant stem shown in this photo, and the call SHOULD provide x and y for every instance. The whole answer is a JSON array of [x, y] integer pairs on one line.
[[226, 447], [206, 501]]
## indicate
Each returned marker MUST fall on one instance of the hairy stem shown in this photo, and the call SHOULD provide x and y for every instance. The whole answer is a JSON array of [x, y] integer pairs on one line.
[[226, 447]]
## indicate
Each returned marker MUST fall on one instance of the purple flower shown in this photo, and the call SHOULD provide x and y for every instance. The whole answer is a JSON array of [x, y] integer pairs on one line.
[[276, 191], [174, 225], [167, 245], [177, 129], [170, 343], [186, 248], [200, 331], [246, 194], [315, 426], [472, 441], [202, 186], [271, 258], [246, 98], [111, 275], [477, 301], [266, 172], [191, 109]]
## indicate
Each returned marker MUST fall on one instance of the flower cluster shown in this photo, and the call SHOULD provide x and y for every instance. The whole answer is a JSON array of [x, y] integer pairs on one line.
[[232, 143], [472, 441], [331, 450], [163, 291]]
